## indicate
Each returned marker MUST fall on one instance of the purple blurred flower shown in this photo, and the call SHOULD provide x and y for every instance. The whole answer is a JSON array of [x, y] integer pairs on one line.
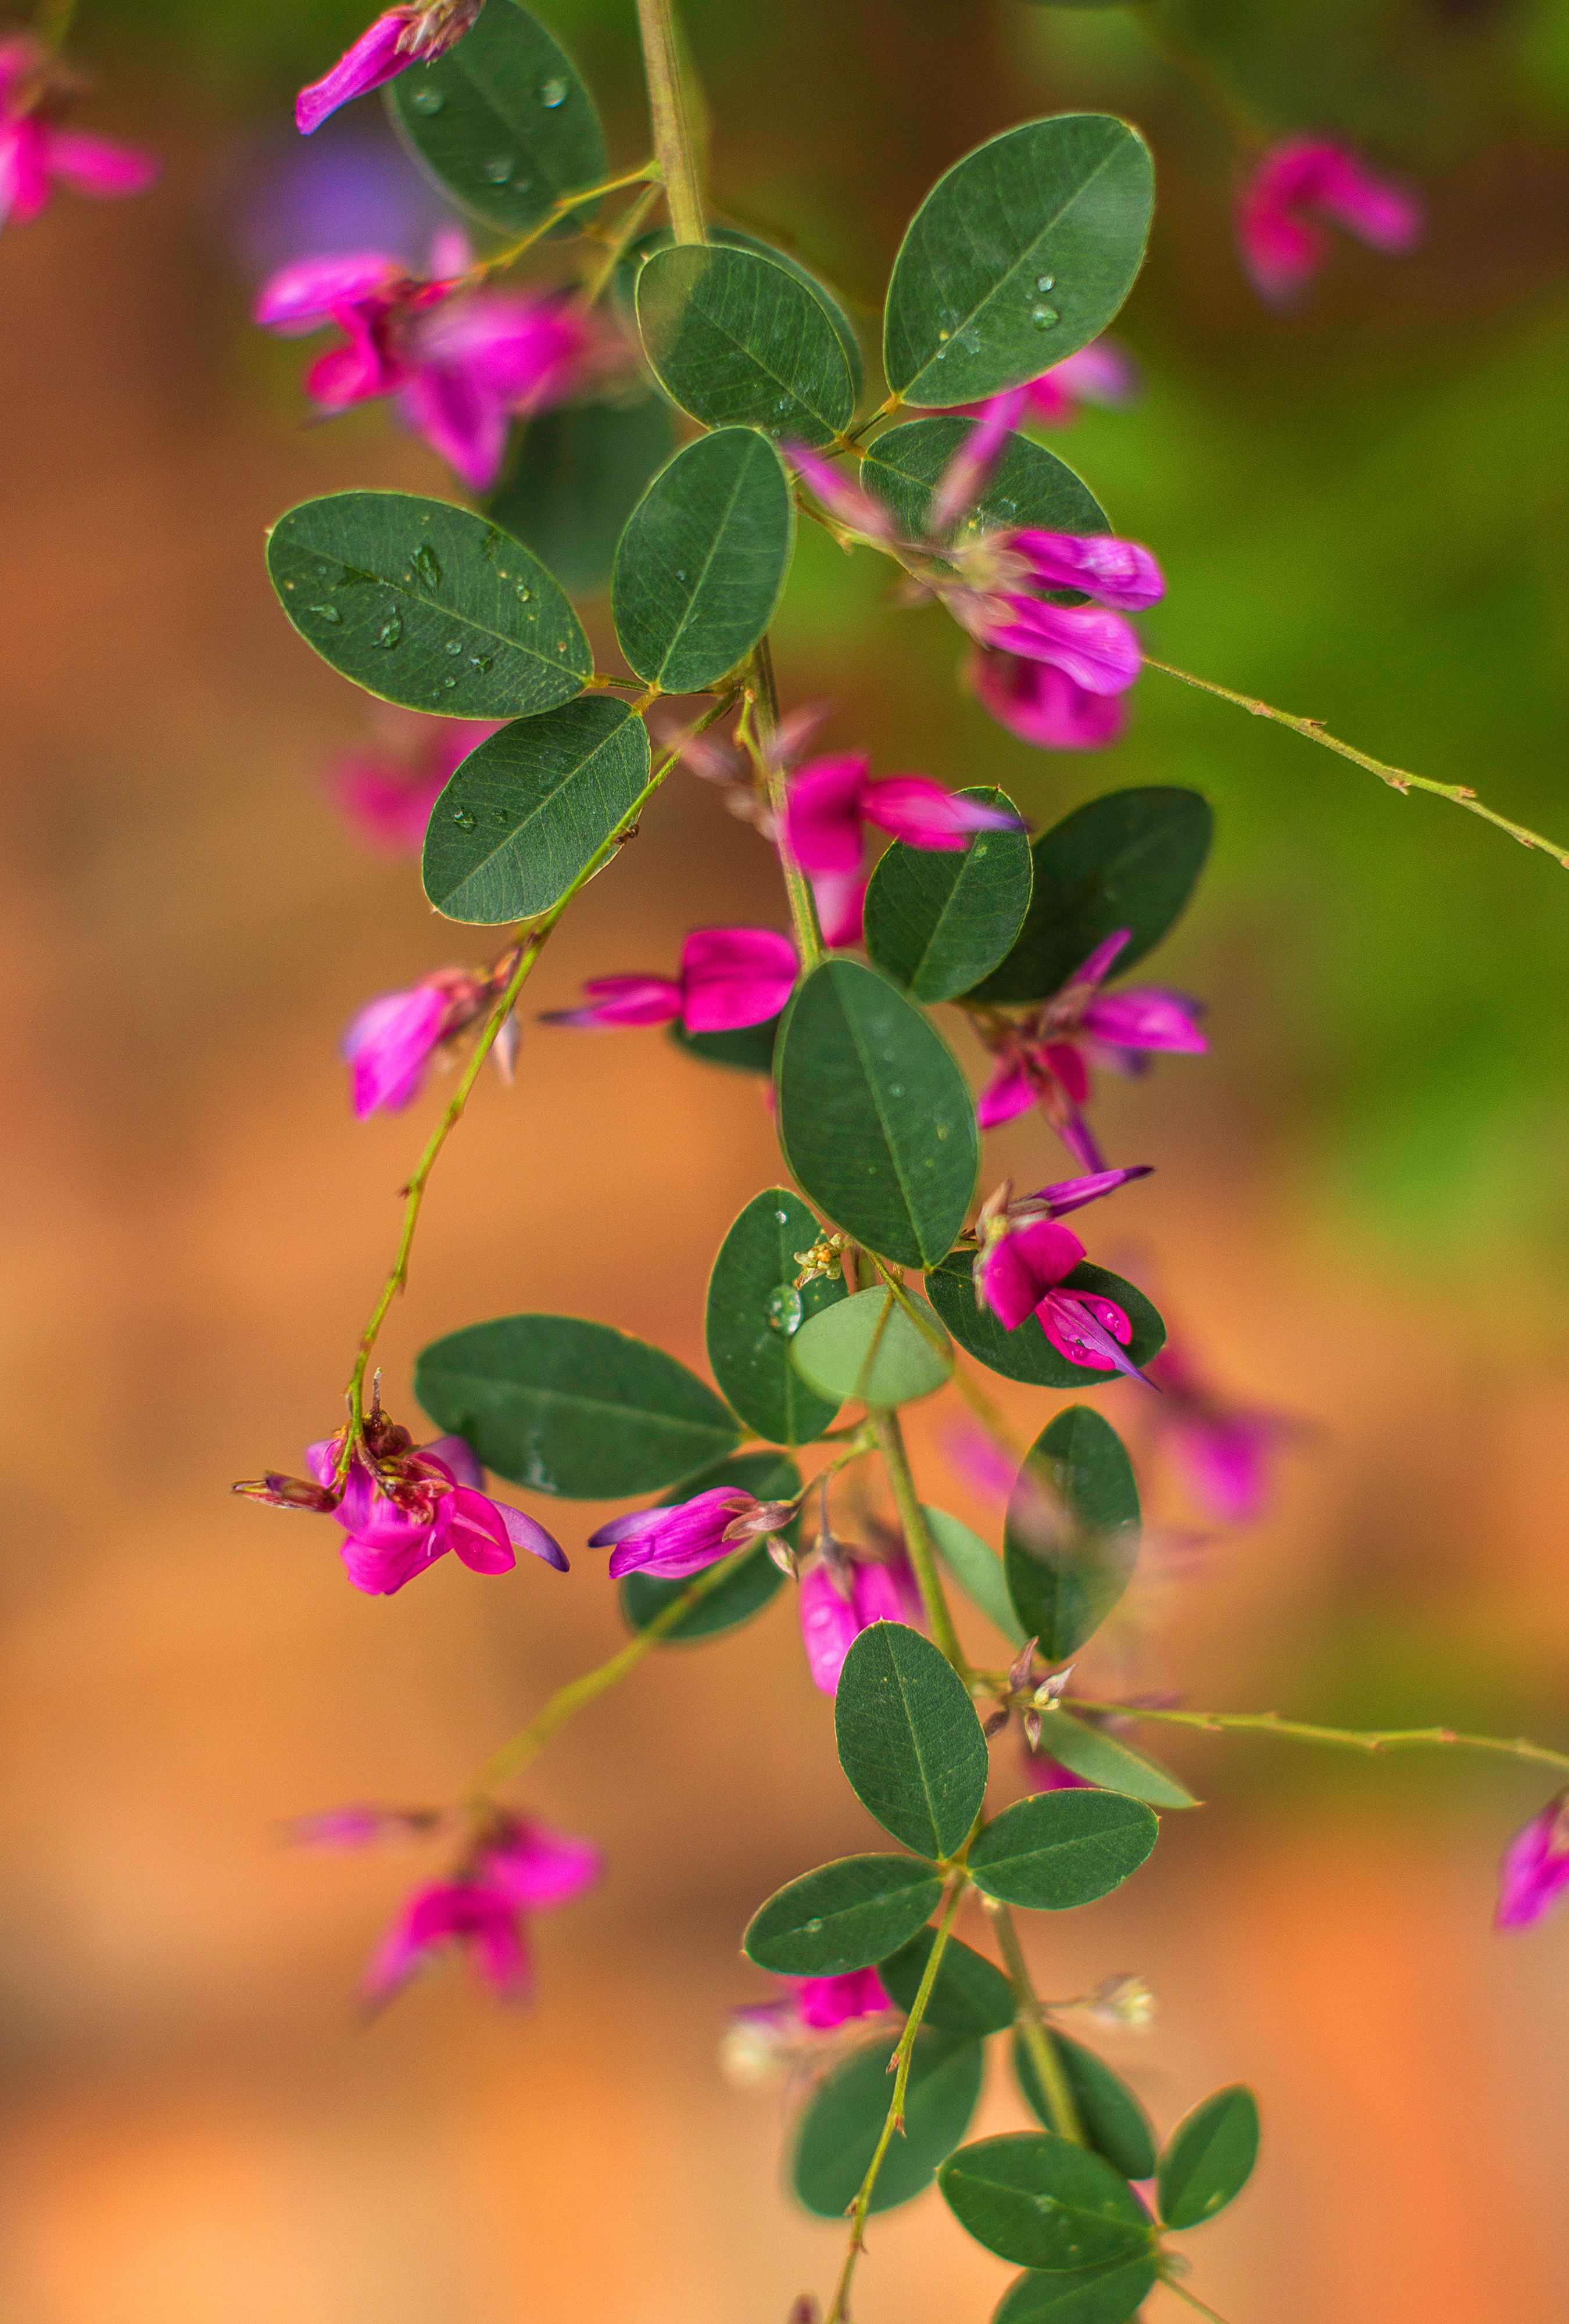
[[730, 978], [36, 153], [1300, 181], [827, 2002], [1226, 1450], [843, 1594], [398, 38], [1535, 1871], [385, 794], [520, 1869], [1103, 374]]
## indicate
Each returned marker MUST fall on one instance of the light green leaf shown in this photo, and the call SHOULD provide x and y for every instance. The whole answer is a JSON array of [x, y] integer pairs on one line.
[[702, 563], [844, 2120], [938, 920], [978, 1571], [1209, 2157], [869, 1348], [910, 1742], [1062, 1849], [755, 1315], [844, 1915], [1104, 1758], [738, 340]]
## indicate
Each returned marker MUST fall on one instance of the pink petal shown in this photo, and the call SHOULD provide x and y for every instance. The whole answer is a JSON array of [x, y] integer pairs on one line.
[[1071, 1194], [1011, 1091], [1045, 1773], [457, 1458], [922, 814], [381, 1568], [841, 901], [465, 422], [830, 1626], [1102, 372], [1116, 573], [1041, 705], [378, 56], [848, 502], [733, 977], [975, 456], [1535, 1871], [885, 1592], [1104, 959], [389, 1046], [1145, 1019], [99, 166], [526, 1533], [620, 1001], [312, 291], [1096, 648], [823, 813], [827, 2002], [1280, 246], [1087, 1330], [471, 1524], [538, 1869], [1018, 1269], [23, 169]]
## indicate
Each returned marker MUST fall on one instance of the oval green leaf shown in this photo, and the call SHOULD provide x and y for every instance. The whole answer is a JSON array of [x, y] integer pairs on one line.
[[970, 1998], [501, 121], [572, 477], [1105, 1759], [427, 605], [1209, 2157], [937, 922], [1027, 486], [1114, 2122], [875, 1117], [737, 339], [910, 1742], [978, 1571], [735, 237], [1062, 1849], [755, 1314], [870, 1348], [1018, 257], [1043, 2202], [750, 1586], [1027, 1354], [563, 1405], [748, 1050], [1072, 1536], [702, 563], [1129, 859], [528, 810], [1081, 2295], [844, 2120], [844, 1915]]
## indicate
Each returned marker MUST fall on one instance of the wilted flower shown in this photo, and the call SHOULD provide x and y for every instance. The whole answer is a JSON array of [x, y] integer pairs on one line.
[[842, 1592], [679, 1540], [1300, 181], [518, 1869], [1226, 1450], [830, 800], [385, 791], [730, 978], [36, 152], [1535, 1871], [1121, 2000], [398, 38]]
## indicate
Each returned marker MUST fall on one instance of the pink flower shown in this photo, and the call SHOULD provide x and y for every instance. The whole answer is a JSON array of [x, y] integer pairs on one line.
[[401, 37], [386, 795], [520, 1869], [1535, 1871], [1018, 1275], [730, 978], [827, 2002], [849, 504], [843, 1594], [460, 363], [1297, 183], [841, 901], [1042, 705], [360, 1825], [830, 799], [402, 1514], [1102, 372], [1052, 673], [1226, 1450], [36, 151], [390, 1044], [1045, 1773], [679, 1541]]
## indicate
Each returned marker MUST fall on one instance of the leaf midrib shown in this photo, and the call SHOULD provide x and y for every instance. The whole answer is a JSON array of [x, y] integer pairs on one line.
[[510, 839], [809, 305]]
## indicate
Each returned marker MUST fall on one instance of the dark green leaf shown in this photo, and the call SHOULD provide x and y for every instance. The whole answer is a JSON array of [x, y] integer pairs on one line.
[[1027, 1354], [753, 1584], [527, 810], [735, 339], [1027, 487], [1082, 2295], [1018, 257], [754, 1313], [969, 1996], [1113, 2121], [844, 1915], [937, 921], [702, 563], [573, 478], [1063, 1849], [428, 606], [1072, 1536], [567, 1407], [1129, 859], [735, 237], [501, 121], [844, 2120], [978, 1571], [749, 1050], [1209, 2157], [1105, 1759], [875, 1118], [1043, 2202], [870, 1348], [910, 1741]]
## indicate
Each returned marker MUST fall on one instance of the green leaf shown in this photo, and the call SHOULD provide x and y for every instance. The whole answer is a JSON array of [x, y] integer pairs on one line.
[[937, 921], [1062, 1848], [844, 1915], [735, 237], [501, 121], [738, 340], [978, 1571], [910, 1741], [572, 477], [969, 1996], [527, 810], [1072, 1536], [843, 2119], [1043, 2202], [1018, 257], [1114, 2122], [1027, 1354], [1104, 1758], [748, 1050], [875, 1118], [1081, 2295], [1129, 859], [567, 1407], [870, 1348], [755, 1314], [1209, 2157], [1026, 486], [753, 1584], [427, 605], [702, 563]]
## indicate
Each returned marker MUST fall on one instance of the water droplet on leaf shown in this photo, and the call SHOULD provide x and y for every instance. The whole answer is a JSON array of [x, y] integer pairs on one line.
[[552, 93], [464, 818], [499, 169], [427, 565], [455, 645], [1045, 319], [481, 662], [327, 612], [427, 100], [1046, 282], [524, 591], [784, 1309], [392, 631]]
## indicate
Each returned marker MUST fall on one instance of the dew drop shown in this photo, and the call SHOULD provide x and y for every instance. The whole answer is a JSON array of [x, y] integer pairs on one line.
[[814, 1928], [427, 565], [392, 631], [551, 93], [1045, 319], [782, 1217], [448, 683], [427, 100], [499, 169], [680, 572], [321, 572], [455, 645], [481, 662], [970, 341], [1046, 282], [524, 591], [464, 818], [784, 1309], [1006, 509], [327, 612], [896, 1089]]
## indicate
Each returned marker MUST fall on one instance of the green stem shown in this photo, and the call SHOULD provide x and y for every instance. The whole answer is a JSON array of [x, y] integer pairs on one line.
[[1312, 731], [562, 207], [1192, 2298], [614, 244], [53, 21], [1044, 2054], [1370, 1740], [917, 1536], [673, 140], [893, 2121], [803, 904]]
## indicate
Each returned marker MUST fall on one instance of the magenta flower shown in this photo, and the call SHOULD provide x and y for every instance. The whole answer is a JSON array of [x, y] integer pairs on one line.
[[841, 900], [1053, 674], [1225, 1451], [825, 2003], [403, 1513], [1301, 181], [843, 1594], [398, 38], [385, 795], [730, 978], [461, 364], [390, 1044], [1019, 1274], [1535, 1871], [520, 1869], [1045, 1773], [1101, 374], [830, 799], [36, 152], [679, 1541], [362, 1824], [1042, 705]]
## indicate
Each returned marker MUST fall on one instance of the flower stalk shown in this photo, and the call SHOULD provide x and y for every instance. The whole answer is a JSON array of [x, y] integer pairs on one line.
[[673, 141]]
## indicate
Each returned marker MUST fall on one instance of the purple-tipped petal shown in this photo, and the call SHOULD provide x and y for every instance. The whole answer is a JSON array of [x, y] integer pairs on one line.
[[1012, 1090], [378, 55], [614, 1001], [1093, 648], [1145, 1019], [1072, 1193], [1115, 572], [1042, 705], [1088, 1330], [526, 1533], [922, 814]]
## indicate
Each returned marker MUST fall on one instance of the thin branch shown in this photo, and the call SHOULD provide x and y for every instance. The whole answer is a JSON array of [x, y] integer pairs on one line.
[[1044, 2053], [673, 140], [1373, 1740], [918, 1537]]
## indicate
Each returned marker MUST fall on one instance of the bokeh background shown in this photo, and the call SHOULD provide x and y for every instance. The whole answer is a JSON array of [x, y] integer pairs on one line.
[[1361, 1217]]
